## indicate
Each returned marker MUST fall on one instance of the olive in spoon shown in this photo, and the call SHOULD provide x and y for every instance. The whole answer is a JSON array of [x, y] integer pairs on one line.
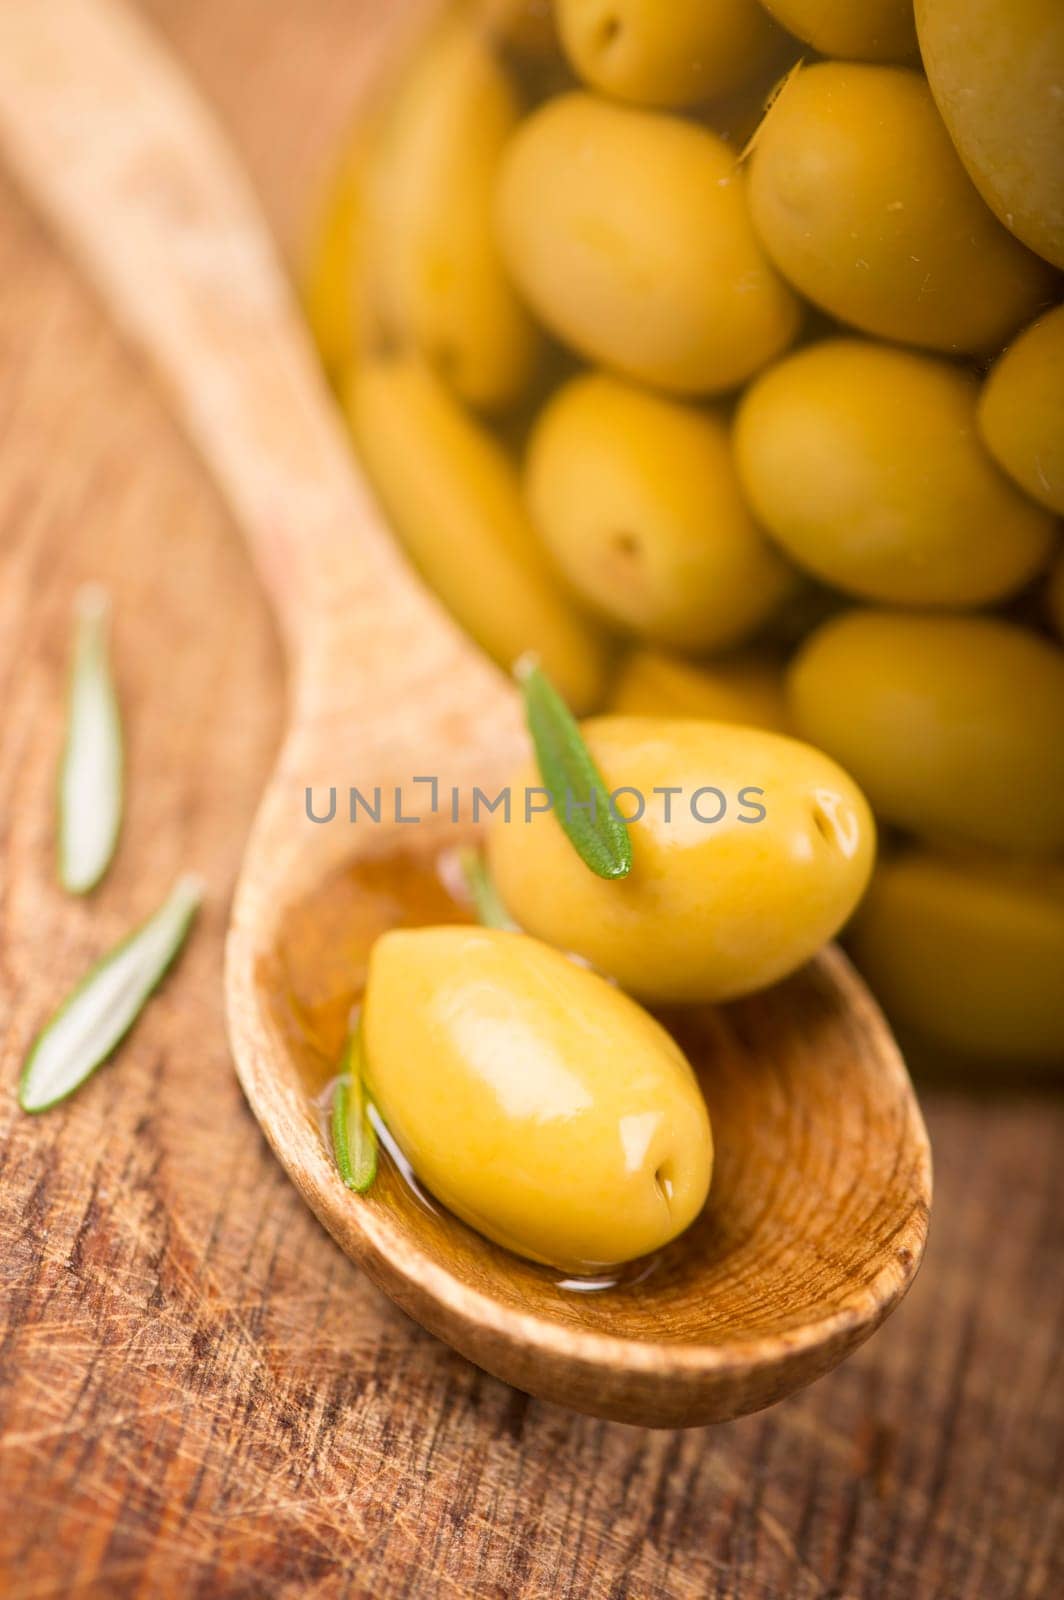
[[818, 1212]]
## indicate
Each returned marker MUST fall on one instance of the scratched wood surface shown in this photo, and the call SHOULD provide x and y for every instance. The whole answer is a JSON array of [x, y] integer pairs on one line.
[[198, 1395]]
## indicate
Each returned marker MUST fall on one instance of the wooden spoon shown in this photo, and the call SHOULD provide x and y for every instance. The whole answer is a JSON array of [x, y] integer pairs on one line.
[[818, 1214]]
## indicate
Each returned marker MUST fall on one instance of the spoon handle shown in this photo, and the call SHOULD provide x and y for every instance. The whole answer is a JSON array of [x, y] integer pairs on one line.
[[116, 148]]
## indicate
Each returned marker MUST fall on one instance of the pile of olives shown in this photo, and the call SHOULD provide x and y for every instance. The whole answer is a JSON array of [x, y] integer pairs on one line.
[[713, 351]]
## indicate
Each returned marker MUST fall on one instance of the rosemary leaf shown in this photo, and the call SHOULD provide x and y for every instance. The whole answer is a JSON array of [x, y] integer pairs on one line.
[[90, 777], [105, 1005], [491, 913], [581, 800], [354, 1140]]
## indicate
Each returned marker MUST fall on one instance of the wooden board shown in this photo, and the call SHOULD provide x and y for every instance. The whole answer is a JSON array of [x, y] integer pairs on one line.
[[198, 1395]]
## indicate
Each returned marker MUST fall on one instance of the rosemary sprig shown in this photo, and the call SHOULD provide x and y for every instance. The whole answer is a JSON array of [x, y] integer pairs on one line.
[[581, 800], [105, 1005], [353, 1136], [491, 913], [90, 776]]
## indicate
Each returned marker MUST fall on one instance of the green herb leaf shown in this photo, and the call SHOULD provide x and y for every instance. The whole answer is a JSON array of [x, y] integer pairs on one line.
[[491, 913], [581, 800], [90, 777], [353, 1136], [105, 1005]]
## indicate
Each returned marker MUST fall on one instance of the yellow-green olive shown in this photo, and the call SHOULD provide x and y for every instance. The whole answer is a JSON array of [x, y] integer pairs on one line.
[[336, 293], [864, 462], [629, 234], [953, 726], [856, 30], [746, 688], [996, 68], [749, 851], [538, 1102], [527, 26], [433, 258], [638, 503], [1021, 412], [665, 55], [863, 204], [968, 953], [454, 501]]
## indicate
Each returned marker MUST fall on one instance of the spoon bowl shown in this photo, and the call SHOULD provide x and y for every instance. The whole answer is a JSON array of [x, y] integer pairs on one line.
[[818, 1213], [813, 1228]]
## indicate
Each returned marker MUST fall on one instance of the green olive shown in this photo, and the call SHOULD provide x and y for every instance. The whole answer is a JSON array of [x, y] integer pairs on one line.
[[665, 55], [746, 688], [754, 860], [538, 1102], [1021, 412], [335, 287], [454, 501], [637, 501], [996, 69], [863, 204], [864, 462], [856, 30], [968, 953], [433, 257], [628, 232], [953, 726]]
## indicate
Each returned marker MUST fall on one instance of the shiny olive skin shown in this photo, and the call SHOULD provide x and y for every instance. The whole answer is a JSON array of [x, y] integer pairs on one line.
[[995, 68], [433, 258], [735, 882], [539, 1103], [855, 30], [746, 688], [640, 254], [864, 463], [1021, 411], [968, 953], [953, 726], [637, 501], [862, 202], [665, 56], [453, 499]]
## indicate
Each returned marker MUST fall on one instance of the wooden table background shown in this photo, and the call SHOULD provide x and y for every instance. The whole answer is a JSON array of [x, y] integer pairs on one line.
[[199, 1396]]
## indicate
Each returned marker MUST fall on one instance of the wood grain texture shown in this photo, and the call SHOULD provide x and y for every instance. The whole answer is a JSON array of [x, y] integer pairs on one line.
[[199, 1396]]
